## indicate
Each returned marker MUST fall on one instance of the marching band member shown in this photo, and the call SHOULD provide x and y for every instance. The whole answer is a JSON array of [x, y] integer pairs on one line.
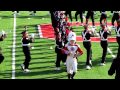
[[104, 32], [73, 51], [86, 34], [26, 50]]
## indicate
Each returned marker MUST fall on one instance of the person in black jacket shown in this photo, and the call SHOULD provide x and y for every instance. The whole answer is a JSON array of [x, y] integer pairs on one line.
[[60, 55], [115, 68], [26, 40], [104, 32], [86, 35]]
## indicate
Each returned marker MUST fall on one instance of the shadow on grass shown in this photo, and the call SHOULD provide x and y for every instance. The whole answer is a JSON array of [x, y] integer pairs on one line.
[[42, 73], [6, 74], [6, 17], [35, 17], [95, 63]]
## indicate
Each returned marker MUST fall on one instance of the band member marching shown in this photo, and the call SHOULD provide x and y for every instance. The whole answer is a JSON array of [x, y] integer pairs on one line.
[[90, 14], [103, 17], [81, 16], [116, 16], [86, 34], [104, 32], [69, 13], [60, 55], [26, 50], [73, 51]]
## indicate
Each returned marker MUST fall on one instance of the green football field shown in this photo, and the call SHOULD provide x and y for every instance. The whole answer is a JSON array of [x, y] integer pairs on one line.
[[42, 64]]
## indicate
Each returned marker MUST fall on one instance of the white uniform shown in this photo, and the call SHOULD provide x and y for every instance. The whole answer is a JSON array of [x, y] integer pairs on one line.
[[71, 62]]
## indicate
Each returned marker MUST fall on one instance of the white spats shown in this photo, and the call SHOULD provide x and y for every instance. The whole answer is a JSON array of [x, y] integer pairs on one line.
[[109, 51], [28, 18], [51, 47]]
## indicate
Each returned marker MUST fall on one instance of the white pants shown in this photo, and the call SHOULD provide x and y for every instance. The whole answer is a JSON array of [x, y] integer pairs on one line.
[[71, 64]]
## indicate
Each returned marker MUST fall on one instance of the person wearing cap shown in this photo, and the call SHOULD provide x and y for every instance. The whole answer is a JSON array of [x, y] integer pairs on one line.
[[1, 56], [72, 50], [104, 32], [71, 34], [103, 17], [26, 50], [86, 35], [115, 17], [117, 30], [90, 14]]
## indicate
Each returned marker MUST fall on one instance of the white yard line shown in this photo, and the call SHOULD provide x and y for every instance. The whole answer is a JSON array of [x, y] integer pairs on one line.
[[40, 32], [14, 46]]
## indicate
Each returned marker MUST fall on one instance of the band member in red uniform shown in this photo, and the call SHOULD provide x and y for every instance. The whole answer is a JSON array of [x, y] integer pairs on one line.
[[72, 50]]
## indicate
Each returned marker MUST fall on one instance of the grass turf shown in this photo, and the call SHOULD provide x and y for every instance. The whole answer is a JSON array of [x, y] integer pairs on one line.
[[43, 58]]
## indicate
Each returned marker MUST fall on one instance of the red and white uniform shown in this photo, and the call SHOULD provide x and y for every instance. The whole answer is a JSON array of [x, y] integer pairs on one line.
[[71, 61]]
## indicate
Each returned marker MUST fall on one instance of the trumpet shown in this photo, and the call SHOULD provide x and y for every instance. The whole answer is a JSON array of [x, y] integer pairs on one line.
[[32, 37]]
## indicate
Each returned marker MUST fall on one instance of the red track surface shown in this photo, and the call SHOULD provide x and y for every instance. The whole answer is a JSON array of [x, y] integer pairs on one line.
[[48, 32]]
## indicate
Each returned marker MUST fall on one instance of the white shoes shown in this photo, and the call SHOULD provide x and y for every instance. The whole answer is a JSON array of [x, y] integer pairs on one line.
[[113, 27], [65, 64], [81, 24], [57, 68], [77, 22], [22, 66], [102, 64], [26, 70], [33, 14], [91, 63], [93, 26], [88, 67]]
